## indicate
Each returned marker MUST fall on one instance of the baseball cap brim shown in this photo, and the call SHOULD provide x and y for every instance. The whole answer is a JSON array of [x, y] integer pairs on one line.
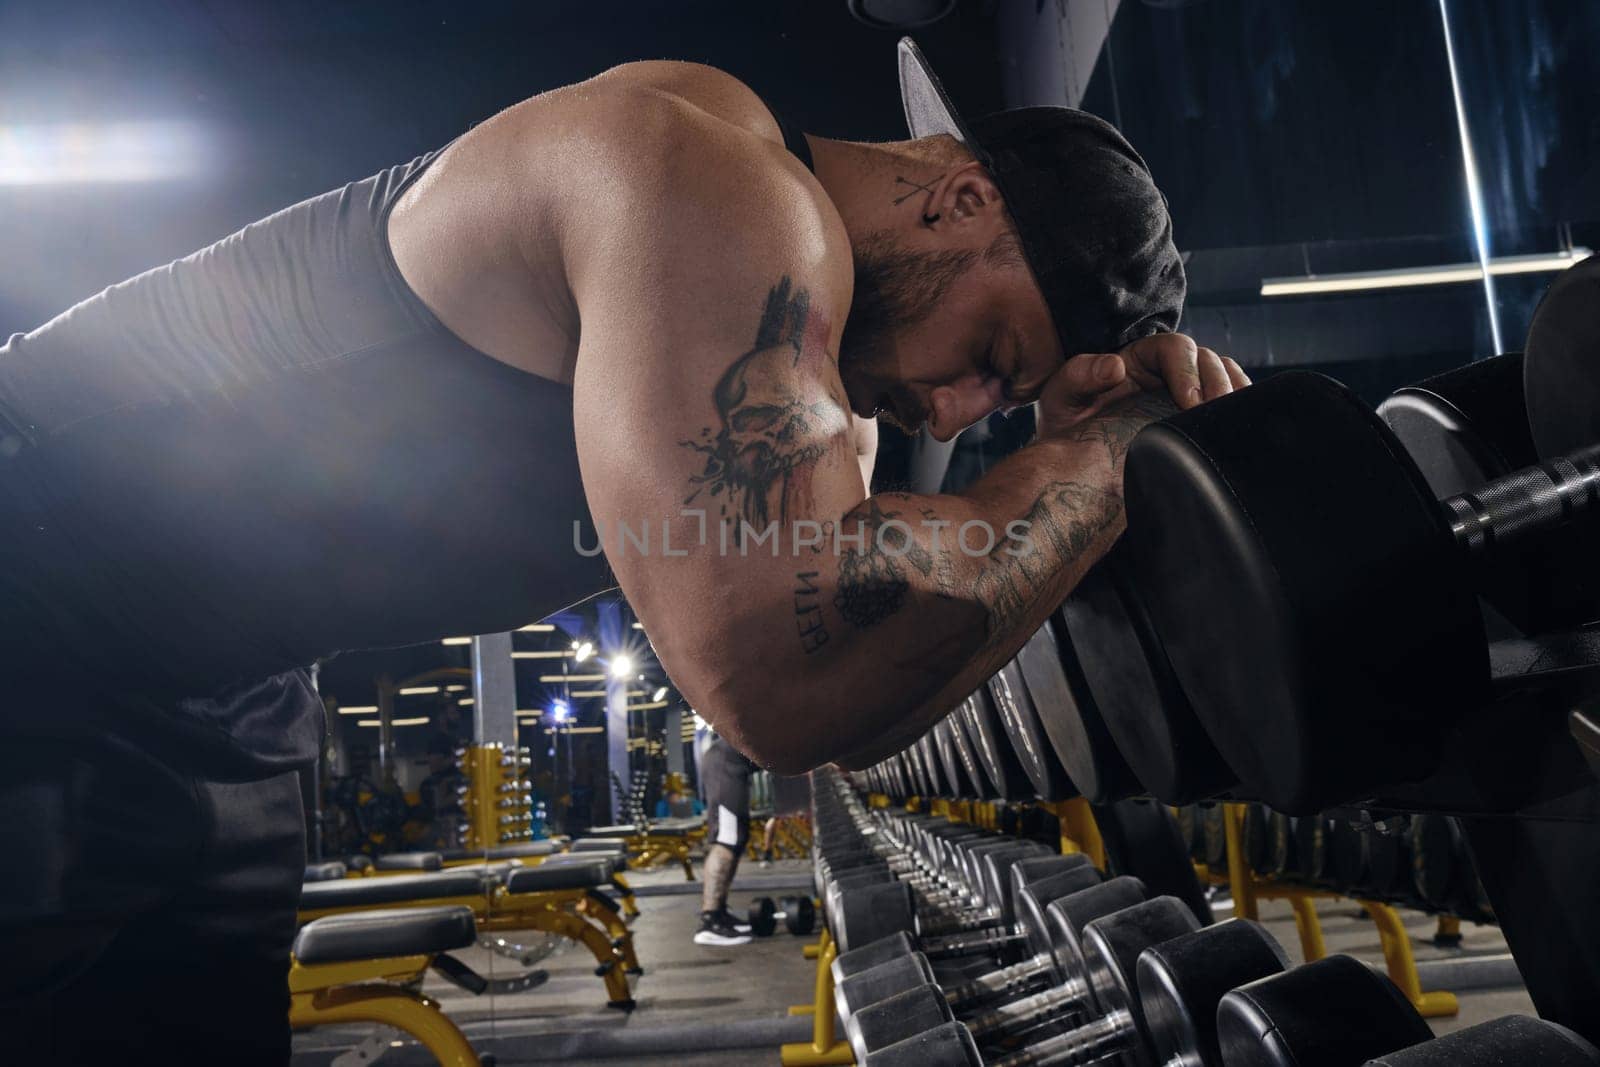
[[929, 111]]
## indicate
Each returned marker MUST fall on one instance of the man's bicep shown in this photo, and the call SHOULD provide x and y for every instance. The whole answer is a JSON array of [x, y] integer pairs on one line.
[[692, 447]]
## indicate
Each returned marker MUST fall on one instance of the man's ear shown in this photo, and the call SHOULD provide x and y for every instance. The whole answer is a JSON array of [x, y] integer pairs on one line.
[[965, 195]]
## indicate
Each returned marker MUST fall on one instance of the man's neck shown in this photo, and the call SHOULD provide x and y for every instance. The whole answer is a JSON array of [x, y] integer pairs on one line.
[[870, 184]]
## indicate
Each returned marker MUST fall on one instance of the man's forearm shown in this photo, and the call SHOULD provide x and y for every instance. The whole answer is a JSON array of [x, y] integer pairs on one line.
[[941, 591]]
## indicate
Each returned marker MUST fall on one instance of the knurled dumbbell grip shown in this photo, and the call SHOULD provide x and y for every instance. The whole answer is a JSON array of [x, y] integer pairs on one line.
[[1526, 501], [1080, 1045], [1002, 982], [1019, 1015], [934, 925], [942, 948]]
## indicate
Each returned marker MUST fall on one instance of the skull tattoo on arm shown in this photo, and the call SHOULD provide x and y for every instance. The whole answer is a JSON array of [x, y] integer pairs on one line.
[[777, 418]]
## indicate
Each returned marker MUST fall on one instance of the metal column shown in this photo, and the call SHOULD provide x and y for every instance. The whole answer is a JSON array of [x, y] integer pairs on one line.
[[672, 738], [613, 629], [494, 690]]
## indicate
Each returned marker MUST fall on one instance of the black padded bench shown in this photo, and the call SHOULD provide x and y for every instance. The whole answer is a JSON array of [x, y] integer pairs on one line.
[[410, 861], [585, 872], [522, 850], [380, 934], [610, 831], [362, 892], [325, 872]]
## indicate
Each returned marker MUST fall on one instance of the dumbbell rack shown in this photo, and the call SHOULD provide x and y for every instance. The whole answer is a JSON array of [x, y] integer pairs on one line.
[[1247, 888], [498, 803], [1079, 833]]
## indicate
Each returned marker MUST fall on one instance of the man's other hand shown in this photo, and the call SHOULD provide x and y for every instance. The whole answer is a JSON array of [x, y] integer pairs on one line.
[[1164, 362]]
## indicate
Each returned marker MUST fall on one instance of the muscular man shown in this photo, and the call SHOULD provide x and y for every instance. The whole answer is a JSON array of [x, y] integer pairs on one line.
[[725, 780], [378, 416]]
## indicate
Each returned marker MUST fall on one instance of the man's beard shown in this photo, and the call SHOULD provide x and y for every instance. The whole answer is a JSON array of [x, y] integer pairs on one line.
[[894, 289]]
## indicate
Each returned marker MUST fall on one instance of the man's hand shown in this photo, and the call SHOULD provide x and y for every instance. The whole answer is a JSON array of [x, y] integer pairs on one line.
[[1163, 362]]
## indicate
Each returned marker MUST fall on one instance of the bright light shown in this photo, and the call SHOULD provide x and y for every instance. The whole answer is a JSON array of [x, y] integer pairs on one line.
[[659, 694], [559, 711], [621, 666], [587, 693], [647, 707], [638, 626], [1447, 274], [420, 720], [359, 709], [71, 152], [529, 713], [536, 628], [557, 654], [456, 641], [454, 688], [582, 650], [466, 702], [699, 723], [418, 690], [550, 679]]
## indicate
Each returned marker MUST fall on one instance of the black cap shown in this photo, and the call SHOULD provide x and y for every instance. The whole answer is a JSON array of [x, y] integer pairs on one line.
[[1094, 227]]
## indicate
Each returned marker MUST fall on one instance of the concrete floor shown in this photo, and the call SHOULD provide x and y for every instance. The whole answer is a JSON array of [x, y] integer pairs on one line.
[[694, 1002]]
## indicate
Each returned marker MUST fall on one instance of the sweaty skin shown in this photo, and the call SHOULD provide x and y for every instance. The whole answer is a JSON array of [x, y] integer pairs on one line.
[[646, 237]]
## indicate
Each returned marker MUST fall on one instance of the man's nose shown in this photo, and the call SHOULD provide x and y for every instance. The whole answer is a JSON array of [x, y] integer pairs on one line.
[[952, 408]]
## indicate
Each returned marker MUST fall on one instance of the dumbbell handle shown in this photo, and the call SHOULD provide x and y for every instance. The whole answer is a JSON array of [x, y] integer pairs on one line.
[[933, 925], [1083, 1044], [1532, 500], [1019, 1015], [943, 948], [1004, 982]]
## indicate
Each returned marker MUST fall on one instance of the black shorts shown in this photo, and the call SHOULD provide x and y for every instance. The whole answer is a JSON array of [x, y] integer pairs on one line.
[[725, 779], [145, 907]]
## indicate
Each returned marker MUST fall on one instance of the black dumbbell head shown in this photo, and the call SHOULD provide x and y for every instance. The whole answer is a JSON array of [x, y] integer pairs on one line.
[[1036, 897], [950, 1045], [900, 943], [1298, 480], [1113, 943], [881, 982], [1513, 1039], [1181, 981], [1066, 917], [1334, 1011], [895, 1018]]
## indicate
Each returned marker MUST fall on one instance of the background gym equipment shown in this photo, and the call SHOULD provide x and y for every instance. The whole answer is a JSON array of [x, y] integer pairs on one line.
[[797, 913]]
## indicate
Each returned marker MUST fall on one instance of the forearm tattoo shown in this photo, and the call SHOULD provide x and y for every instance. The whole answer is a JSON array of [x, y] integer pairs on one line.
[[1063, 523], [873, 584], [1117, 425], [777, 417]]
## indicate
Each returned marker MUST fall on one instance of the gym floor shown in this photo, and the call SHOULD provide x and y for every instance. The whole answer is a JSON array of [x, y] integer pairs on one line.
[[714, 1006]]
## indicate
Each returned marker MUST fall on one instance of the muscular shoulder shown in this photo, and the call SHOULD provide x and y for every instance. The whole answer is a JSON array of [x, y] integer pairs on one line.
[[676, 201], [716, 92]]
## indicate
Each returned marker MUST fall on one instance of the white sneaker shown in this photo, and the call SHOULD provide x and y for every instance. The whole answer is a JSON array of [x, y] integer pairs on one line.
[[714, 930]]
